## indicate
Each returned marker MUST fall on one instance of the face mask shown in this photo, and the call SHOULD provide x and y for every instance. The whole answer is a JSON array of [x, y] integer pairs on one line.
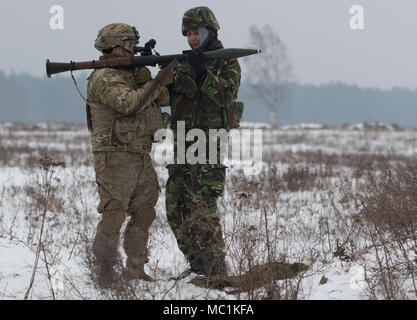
[[204, 36]]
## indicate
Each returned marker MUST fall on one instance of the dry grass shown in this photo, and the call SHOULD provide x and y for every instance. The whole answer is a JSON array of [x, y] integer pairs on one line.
[[389, 222], [315, 202]]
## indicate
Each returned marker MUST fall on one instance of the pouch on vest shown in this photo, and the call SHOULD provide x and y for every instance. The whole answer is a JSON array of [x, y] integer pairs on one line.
[[153, 119], [128, 129]]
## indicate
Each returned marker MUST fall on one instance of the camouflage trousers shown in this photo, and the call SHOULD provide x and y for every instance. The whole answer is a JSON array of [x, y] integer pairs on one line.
[[191, 203], [128, 186]]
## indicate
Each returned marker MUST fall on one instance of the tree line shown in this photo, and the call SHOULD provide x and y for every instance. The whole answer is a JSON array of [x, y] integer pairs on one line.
[[26, 98]]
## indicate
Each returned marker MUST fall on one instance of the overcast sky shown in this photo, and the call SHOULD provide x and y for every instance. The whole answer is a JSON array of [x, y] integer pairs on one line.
[[320, 43]]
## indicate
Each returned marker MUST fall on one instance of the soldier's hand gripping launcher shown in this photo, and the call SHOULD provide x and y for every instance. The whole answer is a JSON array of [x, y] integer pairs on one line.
[[143, 60]]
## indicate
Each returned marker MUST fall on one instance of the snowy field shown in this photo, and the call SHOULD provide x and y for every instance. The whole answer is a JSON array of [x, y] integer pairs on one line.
[[302, 207]]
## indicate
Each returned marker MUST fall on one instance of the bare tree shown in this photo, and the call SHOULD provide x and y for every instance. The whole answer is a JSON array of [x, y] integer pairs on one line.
[[270, 73]]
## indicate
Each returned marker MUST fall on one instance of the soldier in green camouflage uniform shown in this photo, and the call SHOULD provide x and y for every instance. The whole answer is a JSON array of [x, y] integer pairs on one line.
[[121, 142], [200, 97]]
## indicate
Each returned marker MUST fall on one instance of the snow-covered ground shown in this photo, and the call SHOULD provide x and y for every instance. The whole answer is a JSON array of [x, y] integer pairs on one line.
[[294, 210]]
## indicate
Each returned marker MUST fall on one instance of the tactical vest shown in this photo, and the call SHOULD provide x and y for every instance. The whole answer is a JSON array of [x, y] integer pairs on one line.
[[114, 131], [201, 112]]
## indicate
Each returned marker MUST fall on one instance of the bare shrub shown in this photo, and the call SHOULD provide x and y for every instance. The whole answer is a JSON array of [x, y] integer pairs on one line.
[[46, 189], [259, 231], [389, 213]]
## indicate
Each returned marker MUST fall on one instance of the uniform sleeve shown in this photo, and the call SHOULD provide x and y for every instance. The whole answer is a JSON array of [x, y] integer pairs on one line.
[[116, 93], [222, 87]]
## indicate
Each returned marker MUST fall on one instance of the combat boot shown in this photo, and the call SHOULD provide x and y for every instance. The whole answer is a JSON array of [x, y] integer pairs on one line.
[[135, 270]]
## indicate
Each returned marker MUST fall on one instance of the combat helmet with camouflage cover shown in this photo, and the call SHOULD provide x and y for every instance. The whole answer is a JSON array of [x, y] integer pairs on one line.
[[114, 35], [199, 17]]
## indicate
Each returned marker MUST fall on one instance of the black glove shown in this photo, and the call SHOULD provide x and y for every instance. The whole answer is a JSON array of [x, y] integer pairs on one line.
[[196, 59]]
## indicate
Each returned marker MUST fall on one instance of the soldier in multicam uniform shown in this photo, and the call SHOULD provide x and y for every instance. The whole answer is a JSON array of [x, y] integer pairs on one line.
[[201, 95], [121, 142]]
